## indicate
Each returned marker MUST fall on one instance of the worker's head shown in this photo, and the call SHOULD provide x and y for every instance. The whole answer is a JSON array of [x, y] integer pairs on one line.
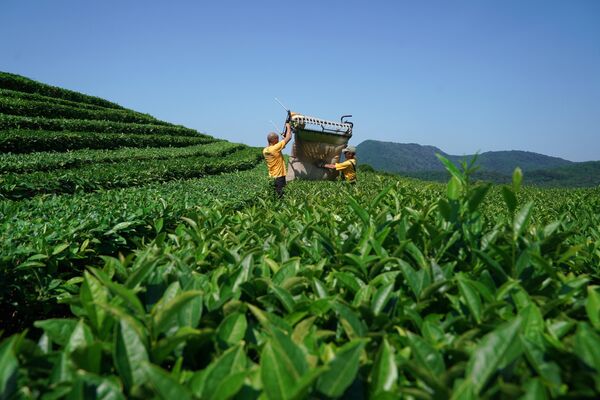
[[349, 152], [272, 138]]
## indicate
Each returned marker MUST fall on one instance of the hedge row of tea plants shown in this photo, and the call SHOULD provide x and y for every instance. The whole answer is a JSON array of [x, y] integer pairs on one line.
[[46, 241], [27, 141], [47, 161], [50, 109], [22, 84], [8, 122], [124, 174], [390, 289], [14, 94]]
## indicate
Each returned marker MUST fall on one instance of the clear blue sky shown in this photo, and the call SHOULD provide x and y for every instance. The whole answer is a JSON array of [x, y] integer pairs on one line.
[[465, 76]]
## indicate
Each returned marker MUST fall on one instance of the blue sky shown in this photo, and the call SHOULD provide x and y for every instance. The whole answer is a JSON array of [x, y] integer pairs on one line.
[[465, 76]]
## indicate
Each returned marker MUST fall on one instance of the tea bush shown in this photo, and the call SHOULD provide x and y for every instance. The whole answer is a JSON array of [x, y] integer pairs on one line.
[[389, 289]]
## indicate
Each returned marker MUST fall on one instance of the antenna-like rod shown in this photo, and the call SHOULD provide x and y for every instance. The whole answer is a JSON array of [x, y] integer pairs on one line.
[[281, 104]]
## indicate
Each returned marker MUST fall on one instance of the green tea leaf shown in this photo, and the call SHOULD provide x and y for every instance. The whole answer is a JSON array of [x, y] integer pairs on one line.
[[80, 337], [477, 195], [302, 329], [536, 355], [57, 329], [285, 298], [417, 255], [8, 369], [351, 322], [163, 314], [91, 290], [89, 386], [164, 386], [587, 346], [592, 306], [226, 375], [361, 212], [454, 188], [232, 329], [349, 281], [517, 178], [426, 355], [495, 349], [129, 355], [60, 248], [127, 295], [471, 296], [510, 199], [384, 373], [381, 297], [521, 220], [282, 365], [450, 167], [63, 370], [534, 390], [342, 369]]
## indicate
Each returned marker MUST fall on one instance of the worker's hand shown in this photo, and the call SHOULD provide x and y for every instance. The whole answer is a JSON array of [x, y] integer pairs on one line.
[[330, 166]]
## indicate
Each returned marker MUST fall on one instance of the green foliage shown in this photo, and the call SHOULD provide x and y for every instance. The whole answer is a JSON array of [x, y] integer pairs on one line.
[[26, 141], [124, 174], [15, 94], [47, 161], [22, 84], [8, 122], [45, 240], [50, 109], [332, 292]]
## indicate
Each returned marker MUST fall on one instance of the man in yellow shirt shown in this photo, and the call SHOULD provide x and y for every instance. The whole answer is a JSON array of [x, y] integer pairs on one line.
[[347, 167], [274, 158]]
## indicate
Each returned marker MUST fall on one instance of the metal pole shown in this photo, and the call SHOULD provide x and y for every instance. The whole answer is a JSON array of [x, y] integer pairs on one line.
[[281, 104]]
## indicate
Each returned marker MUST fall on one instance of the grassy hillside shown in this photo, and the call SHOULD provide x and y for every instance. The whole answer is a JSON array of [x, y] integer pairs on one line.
[[129, 274], [495, 166]]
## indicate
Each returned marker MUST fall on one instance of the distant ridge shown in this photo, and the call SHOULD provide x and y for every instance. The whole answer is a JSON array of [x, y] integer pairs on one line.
[[497, 166]]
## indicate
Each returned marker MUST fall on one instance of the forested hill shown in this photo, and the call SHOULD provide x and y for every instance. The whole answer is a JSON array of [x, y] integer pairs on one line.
[[496, 166]]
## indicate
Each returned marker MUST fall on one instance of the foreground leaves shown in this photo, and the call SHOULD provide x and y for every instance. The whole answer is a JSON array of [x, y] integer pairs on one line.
[[390, 289]]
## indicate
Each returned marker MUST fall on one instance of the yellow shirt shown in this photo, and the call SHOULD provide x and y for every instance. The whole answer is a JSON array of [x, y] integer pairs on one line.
[[274, 159], [348, 168]]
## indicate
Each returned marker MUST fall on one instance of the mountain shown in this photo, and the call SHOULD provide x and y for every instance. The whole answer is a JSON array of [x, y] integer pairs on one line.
[[496, 166], [399, 157]]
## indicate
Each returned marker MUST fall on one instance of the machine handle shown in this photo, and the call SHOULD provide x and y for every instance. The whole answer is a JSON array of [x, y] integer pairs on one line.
[[347, 122]]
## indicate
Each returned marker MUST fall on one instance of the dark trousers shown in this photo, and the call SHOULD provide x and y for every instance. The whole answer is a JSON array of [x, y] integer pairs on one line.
[[279, 185]]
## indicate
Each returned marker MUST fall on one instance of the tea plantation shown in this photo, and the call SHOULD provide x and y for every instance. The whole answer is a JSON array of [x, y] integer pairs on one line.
[[140, 259]]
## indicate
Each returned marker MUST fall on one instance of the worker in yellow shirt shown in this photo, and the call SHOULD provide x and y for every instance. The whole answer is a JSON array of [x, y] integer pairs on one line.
[[274, 158], [348, 167]]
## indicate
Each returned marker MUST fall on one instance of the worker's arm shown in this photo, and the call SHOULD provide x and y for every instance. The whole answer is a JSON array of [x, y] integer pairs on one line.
[[288, 133], [339, 166]]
